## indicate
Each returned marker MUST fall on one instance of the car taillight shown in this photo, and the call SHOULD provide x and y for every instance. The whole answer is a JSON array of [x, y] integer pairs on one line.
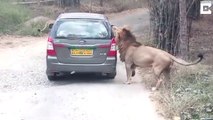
[[112, 52], [50, 47]]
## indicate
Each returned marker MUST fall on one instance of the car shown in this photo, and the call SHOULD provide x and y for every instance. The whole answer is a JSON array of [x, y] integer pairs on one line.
[[81, 43]]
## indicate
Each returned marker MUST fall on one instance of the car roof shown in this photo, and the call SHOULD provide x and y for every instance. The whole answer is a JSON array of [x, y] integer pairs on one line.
[[82, 16]]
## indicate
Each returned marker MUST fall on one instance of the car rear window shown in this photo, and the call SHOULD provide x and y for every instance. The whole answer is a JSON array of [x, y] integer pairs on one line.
[[82, 28]]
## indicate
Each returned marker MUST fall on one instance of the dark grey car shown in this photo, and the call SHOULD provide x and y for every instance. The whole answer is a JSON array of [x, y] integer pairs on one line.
[[81, 42]]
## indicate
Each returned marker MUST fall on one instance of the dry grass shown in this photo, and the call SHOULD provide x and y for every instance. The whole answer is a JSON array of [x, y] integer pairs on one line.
[[190, 93]]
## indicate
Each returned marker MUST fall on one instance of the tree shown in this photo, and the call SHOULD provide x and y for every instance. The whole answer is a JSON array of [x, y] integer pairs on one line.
[[170, 23], [184, 37], [164, 16]]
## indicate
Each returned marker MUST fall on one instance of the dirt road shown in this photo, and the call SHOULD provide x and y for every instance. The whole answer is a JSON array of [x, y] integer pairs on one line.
[[26, 94]]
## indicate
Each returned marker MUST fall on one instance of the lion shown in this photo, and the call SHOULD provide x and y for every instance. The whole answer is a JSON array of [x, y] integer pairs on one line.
[[134, 54]]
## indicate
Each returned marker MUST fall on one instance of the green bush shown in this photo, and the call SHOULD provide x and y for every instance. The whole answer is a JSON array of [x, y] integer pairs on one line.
[[11, 16]]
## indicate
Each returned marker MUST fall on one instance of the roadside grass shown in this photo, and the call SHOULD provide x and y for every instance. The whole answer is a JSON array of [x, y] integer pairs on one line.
[[13, 19], [11, 16], [189, 95]]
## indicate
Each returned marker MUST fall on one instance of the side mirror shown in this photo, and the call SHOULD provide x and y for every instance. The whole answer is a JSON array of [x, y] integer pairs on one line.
[[112, 33], [50, 25]]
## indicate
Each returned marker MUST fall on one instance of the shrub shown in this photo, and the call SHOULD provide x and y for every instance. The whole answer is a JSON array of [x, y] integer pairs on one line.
[[11, 16]]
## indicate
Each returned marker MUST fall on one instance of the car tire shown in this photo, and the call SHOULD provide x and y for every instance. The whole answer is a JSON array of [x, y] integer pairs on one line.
[[111, 75], [52, 77]]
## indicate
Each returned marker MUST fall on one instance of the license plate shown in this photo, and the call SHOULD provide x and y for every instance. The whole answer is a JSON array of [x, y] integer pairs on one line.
[[81, 52]]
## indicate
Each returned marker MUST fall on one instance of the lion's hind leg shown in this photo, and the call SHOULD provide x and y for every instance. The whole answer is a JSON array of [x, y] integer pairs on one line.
[[157, 72]]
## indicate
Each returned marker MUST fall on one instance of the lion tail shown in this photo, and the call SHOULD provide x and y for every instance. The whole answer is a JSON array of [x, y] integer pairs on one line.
[[183, 62]]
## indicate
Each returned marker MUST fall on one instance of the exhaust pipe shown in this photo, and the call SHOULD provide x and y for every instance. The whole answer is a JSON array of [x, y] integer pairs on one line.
[[73, 72]]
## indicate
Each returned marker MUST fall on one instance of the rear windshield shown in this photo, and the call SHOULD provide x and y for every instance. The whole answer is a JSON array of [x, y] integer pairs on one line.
[[81, 28]]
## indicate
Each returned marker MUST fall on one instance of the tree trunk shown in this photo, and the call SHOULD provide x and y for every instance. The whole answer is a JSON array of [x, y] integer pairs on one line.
[[101, 3], [183, 52], [76, 3]]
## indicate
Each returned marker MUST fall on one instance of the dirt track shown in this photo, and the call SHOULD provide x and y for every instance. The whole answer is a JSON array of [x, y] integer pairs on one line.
[[26, 94]]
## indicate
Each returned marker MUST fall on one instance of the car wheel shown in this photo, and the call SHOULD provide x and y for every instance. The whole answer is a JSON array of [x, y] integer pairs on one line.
[[52, 77], [111, 75]]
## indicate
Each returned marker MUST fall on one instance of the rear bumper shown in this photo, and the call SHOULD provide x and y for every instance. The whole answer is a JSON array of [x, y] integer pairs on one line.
[[109, 66]]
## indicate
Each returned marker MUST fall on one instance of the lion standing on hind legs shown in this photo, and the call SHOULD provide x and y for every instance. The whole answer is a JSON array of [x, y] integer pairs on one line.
[[134, 54]]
